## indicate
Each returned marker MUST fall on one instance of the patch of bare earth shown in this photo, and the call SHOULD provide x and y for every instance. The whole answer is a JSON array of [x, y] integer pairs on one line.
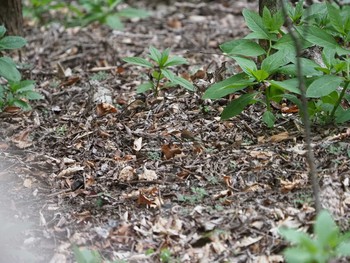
[[144, 173]]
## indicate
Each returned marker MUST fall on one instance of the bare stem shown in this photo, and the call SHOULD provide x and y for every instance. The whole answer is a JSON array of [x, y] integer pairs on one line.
[[310, 157]]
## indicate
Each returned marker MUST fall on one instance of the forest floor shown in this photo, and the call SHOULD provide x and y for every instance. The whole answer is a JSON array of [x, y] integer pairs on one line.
[[153, 174]]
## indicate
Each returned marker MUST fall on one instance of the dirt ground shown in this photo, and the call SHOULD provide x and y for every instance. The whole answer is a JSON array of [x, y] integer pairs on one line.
[[152, 172]]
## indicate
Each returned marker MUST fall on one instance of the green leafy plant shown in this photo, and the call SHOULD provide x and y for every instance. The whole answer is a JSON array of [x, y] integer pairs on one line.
[[269, 72], [40, 9], [160, 74], [328, 243], [13, 90], [104, 12]]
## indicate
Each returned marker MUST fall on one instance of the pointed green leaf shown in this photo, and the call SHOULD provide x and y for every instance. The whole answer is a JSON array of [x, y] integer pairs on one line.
[[8, 69], [138, 61], [164, 57], [246, 64], [344, 249], [144, 87], [342, 115], [168, 74], [254, 22], [318, 36], [184, 83], [269, 118], [291, 85], [238, 105], [228, 86], [113, 21], [274, 61], [155, 54], [175, 61], [242, 47], [12, 42], [2, 31], [260, 74], [322, 86], [326, 230], [335, 18]]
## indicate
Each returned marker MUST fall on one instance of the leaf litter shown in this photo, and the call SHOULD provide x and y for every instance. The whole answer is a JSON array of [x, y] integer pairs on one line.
[[126, 173]]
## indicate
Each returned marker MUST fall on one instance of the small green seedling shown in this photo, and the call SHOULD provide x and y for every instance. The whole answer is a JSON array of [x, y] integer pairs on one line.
[[328, 243], [13, 90], [104, 12], [160, 74]]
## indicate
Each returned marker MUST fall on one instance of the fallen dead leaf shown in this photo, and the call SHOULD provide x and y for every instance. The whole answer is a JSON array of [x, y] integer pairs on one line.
[[137, 144], [148, 175], [126, 174], [105, 108], [70, 170], [280, 137]]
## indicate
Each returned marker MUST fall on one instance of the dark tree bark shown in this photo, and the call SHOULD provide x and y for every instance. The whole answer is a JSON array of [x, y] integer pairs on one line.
[[11, 16], [272, 5]]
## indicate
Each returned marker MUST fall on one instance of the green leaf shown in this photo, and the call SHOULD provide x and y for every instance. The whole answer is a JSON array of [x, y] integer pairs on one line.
[[175, 61], [291, 85], [113, 21], [309, 68], [2, 31], [269, 118], [326, 230], [12, 42], [275, 61], [84, 255], [246, 64], [183, 83], [21, 104], [164, 57], [260, 75], [8, 69], [335, 18], [343, 249], [22, 86], [322, 86], [155, 54], [286, 42], [238, 105], [228, 86], [254, 22], [342, 115], [145, 87], [297, 255], [138, 61], [33, 95], [168, 74], [133, 13], [242, 47], [318, 36]]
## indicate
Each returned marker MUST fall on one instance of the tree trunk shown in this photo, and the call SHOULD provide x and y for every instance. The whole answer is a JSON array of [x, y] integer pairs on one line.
[[11, 16], [272, 5]]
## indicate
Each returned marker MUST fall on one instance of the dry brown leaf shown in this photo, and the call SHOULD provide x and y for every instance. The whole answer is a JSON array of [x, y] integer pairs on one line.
[[21, 140], [70, 171], [261, 155], [170, 150], [105, 108], [148, 175], [280, 137], [143, 200], [127, 174]]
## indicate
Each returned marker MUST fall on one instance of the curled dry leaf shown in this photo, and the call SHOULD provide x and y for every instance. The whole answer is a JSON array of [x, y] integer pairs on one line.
[[148, 175], [137, 144], [70, 170], [105, 108], [170, 150], [21, 140], [126, 174]]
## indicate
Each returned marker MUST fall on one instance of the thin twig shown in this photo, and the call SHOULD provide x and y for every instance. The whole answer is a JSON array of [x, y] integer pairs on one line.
[[310, 157]]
